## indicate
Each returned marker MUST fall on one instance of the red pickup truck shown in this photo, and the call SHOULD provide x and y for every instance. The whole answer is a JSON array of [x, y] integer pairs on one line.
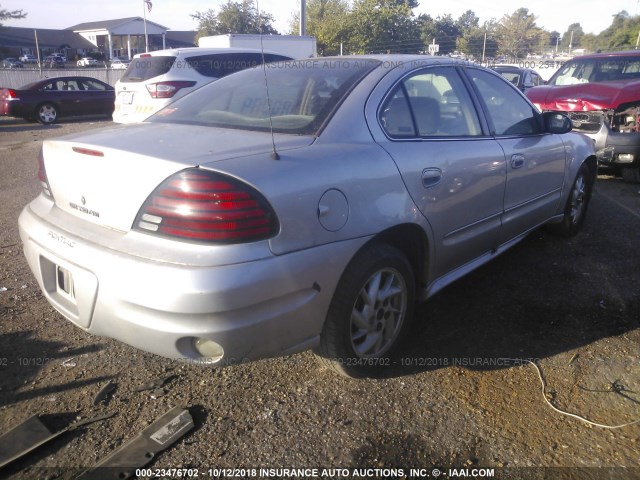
[[601, 95]]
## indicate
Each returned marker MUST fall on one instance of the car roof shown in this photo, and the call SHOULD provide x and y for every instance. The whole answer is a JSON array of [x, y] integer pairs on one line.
[[512, 68], [201, 50], [73, 77], [624, 53]]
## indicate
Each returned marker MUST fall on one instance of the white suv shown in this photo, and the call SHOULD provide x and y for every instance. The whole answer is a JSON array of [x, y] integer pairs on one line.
[[155, 79]]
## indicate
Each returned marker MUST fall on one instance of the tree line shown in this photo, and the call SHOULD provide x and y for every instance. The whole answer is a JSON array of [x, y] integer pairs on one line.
[[390, 26]]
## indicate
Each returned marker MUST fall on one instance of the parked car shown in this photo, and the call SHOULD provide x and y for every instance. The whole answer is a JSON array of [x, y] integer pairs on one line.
[[87, 62], [48, 100], [53, 61], [28, 58], [523, 78], [11, 63], [61, 56], [118, 64], [240, 223], [601, 95], [155, 79]]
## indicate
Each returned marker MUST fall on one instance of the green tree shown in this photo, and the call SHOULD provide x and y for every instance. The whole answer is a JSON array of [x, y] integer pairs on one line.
[[381, 26], [517, 34], [11, 14], [479, 42], [554, 39], [467, 21], [621, 34], [572, 38], [444, 30], [327, 21], [234, 17]]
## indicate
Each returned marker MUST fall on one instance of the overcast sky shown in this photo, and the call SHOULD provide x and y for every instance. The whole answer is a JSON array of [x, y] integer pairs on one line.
[[593, 15]]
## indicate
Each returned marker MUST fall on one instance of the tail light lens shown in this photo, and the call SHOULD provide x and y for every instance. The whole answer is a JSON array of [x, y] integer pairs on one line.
[[167, 89], [10, 94], [42, 176], [207, 207]]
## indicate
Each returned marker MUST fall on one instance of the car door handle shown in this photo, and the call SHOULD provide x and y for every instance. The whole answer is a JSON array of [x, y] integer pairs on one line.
[[431, 177], [517, 161]]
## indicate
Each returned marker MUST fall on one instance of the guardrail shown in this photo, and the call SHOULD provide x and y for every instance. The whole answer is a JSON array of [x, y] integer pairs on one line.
[[17, 77]]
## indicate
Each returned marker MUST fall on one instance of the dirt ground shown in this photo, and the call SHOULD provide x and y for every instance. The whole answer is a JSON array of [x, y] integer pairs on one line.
[[453, 405]]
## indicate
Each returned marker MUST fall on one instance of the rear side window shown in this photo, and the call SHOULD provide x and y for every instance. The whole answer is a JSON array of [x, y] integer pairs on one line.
[[94, 85], [144, 68], [431, 103], [222, 64]]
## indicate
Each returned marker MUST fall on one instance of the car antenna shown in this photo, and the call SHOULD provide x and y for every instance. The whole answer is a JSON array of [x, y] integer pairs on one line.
[[274, 153]]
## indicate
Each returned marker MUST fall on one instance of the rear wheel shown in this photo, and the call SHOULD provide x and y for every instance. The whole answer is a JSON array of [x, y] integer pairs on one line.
[[577, 203], [47, 113], [370, 310]]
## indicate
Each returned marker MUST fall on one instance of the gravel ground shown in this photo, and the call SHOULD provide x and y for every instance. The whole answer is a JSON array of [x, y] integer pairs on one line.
[[452, 402]]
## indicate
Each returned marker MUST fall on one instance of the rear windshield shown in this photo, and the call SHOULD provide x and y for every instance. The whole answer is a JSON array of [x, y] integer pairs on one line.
[[144, 68], [302, 96], [593, 70], [216, 65], [220, 65]]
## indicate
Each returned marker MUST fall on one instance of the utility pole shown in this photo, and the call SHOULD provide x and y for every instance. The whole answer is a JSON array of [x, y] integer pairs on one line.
[[484, 46], [570, 42], [303, 17], [146, 4]]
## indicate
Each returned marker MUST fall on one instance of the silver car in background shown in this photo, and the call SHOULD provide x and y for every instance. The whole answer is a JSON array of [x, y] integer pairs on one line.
[[304, 204]]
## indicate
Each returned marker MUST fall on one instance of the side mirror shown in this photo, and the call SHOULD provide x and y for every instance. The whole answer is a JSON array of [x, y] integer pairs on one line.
[[555, 122]]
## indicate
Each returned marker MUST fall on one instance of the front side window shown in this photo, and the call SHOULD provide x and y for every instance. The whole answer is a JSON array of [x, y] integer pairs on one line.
[[431, 103], [509, 112], [67, 85]]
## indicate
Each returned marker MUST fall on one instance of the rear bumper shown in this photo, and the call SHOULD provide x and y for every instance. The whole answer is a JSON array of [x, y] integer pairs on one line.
[[263, 308]]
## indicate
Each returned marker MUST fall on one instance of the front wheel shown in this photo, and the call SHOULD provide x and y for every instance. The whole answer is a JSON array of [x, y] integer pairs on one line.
[[370, 311], [577, 203], [47, 113]]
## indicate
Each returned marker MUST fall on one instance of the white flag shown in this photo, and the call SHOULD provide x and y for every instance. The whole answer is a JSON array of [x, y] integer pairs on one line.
[[149, 5]]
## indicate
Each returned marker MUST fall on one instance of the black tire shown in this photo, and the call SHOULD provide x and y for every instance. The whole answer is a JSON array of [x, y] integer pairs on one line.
[[577, 204], [47, 113], [363, 350], [631, 174]]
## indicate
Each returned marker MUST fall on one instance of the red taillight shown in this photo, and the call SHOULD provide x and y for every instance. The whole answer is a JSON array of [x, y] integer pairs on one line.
[[42, 176], [167, 89], [207, 207], [11, 94]]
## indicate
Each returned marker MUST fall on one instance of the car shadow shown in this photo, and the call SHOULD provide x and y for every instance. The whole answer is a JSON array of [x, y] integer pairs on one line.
[[18, 125], [24, 356], [543, 297]]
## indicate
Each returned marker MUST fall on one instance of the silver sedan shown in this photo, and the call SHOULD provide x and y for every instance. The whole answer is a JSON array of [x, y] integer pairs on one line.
[[298, 205]]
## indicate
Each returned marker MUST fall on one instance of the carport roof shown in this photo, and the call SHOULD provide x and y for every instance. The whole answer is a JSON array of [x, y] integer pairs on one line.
[[47, 38], [109, 24]]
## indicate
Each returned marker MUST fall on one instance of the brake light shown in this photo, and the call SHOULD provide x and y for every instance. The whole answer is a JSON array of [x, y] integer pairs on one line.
[[167, 89], [207, 207], [9, 94], [42, 176]]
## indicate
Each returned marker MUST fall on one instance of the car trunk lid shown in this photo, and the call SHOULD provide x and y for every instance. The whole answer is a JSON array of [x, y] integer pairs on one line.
[[104, 177]]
